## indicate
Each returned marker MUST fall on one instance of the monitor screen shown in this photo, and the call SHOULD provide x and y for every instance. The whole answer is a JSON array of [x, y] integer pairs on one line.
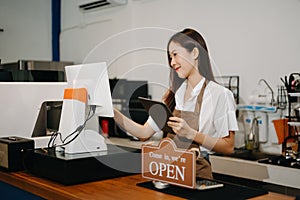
[[22, 103]]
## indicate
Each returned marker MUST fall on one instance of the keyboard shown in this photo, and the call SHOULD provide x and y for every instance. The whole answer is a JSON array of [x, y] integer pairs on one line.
[[207, 184]]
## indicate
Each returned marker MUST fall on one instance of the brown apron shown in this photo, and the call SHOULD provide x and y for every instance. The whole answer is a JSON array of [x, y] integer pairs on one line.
[[203, 167]]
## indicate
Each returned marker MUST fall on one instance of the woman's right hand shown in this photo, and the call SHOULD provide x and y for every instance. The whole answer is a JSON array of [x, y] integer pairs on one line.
[[181, 127]]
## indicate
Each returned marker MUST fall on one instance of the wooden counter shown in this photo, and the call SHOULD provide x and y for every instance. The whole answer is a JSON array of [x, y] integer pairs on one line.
[[242, 168], [117, 188]]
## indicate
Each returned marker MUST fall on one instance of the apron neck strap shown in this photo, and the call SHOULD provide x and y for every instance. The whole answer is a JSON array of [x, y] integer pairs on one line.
[[200, 96]]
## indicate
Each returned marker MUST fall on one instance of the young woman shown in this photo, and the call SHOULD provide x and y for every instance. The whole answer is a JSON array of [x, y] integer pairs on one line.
[[204, 111]]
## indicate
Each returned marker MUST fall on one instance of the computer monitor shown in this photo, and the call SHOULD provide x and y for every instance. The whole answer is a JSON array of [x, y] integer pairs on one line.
[[88, 89], [93, 77], [21, 106]]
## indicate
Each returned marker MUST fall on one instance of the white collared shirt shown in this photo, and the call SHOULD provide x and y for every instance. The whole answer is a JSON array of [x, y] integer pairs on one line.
[[217, 115]]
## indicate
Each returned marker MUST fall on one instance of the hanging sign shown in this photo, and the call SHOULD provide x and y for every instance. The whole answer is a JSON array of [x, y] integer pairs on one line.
[[168, 164]]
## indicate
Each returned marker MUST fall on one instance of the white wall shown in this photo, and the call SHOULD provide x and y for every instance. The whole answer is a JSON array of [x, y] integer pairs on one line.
[[27, 30], [251, 38]]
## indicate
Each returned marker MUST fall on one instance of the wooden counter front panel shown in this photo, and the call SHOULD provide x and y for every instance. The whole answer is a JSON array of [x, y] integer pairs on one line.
[[117, 188]]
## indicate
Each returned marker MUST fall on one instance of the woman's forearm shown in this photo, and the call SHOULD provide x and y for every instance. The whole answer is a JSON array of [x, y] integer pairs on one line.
[[137, 130]]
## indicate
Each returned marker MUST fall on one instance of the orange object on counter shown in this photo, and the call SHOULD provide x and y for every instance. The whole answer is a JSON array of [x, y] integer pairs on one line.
[[281, 128]]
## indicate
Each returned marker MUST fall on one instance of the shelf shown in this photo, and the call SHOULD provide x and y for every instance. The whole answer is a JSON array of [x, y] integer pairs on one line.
[[294, 123], [296, 94], [261, 108], [232, 83]]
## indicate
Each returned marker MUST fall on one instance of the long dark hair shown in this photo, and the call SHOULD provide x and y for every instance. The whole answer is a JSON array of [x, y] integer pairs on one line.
[[189, 39]]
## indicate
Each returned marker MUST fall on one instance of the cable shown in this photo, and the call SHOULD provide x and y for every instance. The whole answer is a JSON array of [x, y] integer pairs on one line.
[[76, 132]]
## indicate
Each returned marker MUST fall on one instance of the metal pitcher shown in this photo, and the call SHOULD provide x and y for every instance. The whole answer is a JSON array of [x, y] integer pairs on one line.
[[252, 140]]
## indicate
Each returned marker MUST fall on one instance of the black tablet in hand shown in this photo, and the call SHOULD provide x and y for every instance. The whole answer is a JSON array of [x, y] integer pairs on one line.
[[159, 112]]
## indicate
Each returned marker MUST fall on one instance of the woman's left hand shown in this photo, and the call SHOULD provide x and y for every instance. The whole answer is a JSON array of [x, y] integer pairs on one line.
[[181, 128]]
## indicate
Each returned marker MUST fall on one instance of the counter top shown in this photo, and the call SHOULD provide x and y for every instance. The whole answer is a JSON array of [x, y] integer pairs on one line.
[[279, 175], [116, 188], [268, 173]]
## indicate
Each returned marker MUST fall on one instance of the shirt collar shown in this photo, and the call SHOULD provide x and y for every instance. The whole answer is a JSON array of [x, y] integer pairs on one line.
[[181, 90]]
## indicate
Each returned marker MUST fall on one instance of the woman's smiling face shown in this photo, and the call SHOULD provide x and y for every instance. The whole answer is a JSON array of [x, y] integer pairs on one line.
[[181, 60]]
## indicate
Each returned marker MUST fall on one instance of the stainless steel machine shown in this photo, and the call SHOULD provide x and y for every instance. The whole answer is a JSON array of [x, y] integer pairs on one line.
[[33, 71]]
